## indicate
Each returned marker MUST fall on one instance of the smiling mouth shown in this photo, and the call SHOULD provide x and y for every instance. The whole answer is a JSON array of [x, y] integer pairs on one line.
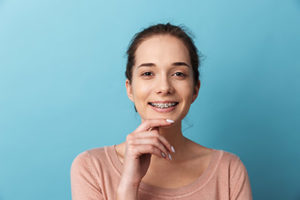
[[163, 105]]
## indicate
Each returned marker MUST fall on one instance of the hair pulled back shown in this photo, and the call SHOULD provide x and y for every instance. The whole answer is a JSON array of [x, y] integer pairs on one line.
[[163, 29]]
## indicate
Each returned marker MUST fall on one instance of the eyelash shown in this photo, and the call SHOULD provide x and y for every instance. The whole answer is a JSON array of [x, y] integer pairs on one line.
[[144, 74], [180, 74]]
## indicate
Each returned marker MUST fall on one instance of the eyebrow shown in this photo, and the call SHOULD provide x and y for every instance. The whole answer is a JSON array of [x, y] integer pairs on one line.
[[173, 64]]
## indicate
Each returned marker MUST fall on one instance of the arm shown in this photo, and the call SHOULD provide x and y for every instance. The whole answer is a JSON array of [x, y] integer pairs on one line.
[[240, 183], [83, 179], [141, 144], [127, 191]]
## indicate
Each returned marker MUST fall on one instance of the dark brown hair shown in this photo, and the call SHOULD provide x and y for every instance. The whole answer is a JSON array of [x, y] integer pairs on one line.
[[163, 29]]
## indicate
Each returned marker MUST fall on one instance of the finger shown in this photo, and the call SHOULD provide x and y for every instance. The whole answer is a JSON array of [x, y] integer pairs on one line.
[[151, 123], [163, 140], [155, 134], [151, 141], [139, 150]]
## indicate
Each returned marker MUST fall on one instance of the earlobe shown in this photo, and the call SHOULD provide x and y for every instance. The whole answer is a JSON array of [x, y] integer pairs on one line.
[[129, 89]]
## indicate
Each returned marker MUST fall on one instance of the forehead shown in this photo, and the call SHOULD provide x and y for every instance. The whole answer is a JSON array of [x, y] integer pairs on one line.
[[162, 49]]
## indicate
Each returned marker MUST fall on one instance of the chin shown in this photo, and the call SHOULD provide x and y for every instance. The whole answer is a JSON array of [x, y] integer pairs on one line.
[[174, 117]]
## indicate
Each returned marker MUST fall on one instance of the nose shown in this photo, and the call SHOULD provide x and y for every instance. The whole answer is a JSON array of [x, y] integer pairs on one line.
[[164, 86]]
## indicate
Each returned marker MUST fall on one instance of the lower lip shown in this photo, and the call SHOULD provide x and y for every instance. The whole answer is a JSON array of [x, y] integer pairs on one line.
[[163, 110]]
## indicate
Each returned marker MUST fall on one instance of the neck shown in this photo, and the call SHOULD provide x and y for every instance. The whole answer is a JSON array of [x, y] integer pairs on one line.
[[175, 137]]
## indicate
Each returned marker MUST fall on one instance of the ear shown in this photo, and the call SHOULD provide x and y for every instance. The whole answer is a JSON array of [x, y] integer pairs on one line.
[[129, 90], [196, 91]]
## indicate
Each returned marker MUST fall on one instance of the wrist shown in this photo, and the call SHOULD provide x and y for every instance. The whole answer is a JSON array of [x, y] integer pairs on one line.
[[125, 185], [128, 181]]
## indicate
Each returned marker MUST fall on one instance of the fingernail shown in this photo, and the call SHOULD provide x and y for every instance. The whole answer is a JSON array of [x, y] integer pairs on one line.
[[170, 157], [163, 154], [172, 148], [169, 120]]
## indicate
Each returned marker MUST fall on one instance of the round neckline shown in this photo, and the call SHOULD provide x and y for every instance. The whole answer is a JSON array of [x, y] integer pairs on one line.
[[182, 191]]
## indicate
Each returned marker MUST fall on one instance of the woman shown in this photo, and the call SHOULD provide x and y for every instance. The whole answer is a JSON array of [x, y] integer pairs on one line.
[[162, 82]]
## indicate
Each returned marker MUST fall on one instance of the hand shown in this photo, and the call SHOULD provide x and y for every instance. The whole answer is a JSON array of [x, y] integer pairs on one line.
[[140, 145]]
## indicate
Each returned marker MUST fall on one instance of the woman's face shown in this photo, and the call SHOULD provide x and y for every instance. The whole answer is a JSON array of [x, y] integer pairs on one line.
[[162, 85]]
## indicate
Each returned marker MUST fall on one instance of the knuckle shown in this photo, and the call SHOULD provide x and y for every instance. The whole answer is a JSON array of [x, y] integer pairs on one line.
[[156, 140], [130, 142], [152, 148], [129, 137], [147, 122], [155, 133]]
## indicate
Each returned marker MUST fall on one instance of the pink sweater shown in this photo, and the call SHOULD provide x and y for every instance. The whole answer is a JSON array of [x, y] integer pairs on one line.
[[95, 175]]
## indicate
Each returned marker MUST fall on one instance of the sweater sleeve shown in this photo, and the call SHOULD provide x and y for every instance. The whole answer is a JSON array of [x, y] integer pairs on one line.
[[239, 182], [84, 183]]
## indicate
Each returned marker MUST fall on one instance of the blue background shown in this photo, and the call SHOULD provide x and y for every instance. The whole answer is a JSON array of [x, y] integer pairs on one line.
[[62, 87]]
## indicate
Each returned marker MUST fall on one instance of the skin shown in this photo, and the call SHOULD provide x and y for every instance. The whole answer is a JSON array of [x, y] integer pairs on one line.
[[162, 72]]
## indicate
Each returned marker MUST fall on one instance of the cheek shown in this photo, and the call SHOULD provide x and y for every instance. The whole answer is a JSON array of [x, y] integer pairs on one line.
[[186, 91], [140, 91]]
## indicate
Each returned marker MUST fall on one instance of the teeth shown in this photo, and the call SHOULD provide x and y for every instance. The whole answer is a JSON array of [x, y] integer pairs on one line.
[[163, 105]]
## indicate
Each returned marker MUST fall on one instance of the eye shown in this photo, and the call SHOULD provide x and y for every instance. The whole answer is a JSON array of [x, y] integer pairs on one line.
[[147, 74], [180, 74]]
